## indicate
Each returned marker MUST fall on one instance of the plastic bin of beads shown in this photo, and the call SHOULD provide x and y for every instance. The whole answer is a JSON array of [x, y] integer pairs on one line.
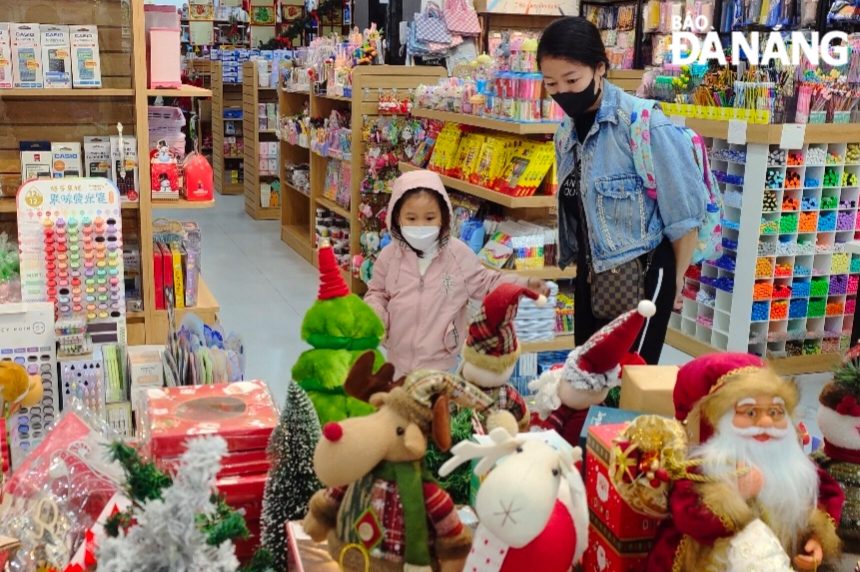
[[827, 222], [773, 180], [763, 268], [795, 158], [811, 183], [760, 311], [730, 244], [762, 291], [767, 249], [815, 156], [796, 333], [776, 157], [725, 262], [817, 307], [855, 265], [797, 308], [819, 287], [838, 285], [782, 270], [835, 308], [805, 247], [834, 158], [853, 282], [781, 291], [829, 203], [786, 247], [787, 224], [801, 270], [838, 246], [811, 348], [794, 348], [790, 204], [730, 155], [733, 199], [792, 180], [844, 343], [705, 321], [770, 203], [779, 310], [823, 248], [849, 179], [831, 178], [808, 222], [840, 263], [850, 306], [725, 284], [800, 289], [809, 204], [709, 300], [830, 346], [845, 220]]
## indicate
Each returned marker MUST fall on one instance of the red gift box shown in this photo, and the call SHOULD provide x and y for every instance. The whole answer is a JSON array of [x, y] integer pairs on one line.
[[605, 553], [232, 464], [603, 499], [243, 413], [245, 492], [245, 548]]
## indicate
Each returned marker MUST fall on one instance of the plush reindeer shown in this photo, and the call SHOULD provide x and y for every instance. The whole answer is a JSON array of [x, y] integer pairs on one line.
[[532, 506], [382, 510]]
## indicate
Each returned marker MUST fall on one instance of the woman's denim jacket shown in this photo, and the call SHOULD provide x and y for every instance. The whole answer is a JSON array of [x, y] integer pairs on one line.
[[623, 221]]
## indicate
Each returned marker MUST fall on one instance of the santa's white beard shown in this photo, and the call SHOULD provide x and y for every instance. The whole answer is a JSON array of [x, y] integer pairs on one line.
[[790, 479]]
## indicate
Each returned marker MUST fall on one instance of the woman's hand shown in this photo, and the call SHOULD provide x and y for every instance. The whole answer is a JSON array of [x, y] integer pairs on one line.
[[539, 286]]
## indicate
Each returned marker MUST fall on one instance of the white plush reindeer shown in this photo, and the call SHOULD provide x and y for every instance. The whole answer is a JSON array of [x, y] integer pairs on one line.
[[532, 506]]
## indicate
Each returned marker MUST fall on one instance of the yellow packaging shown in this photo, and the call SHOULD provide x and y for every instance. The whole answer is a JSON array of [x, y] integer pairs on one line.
[[178, 276]]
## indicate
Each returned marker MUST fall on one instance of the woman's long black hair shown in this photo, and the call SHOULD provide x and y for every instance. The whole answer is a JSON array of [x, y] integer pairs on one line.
[[574, 39]]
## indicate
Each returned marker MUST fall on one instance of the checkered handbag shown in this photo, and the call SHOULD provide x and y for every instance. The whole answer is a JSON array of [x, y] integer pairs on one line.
[[617, 291], [430, 26], [461, 18]]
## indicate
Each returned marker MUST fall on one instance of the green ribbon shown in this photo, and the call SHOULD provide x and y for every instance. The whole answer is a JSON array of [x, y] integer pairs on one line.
[[410, 479]]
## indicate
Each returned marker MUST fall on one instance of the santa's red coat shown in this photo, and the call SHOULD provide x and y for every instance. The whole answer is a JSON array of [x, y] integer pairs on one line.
[[568, 423]]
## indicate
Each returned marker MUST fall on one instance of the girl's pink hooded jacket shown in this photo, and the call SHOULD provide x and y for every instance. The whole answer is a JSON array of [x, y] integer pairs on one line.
[[425, 317]]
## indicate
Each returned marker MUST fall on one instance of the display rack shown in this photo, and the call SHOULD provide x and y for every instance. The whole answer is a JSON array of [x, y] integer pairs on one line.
[[72, 114], [298, 212], [787, 281], [225, 96], [256, 174]]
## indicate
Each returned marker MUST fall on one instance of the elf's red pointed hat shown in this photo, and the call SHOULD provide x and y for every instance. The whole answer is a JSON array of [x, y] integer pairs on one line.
[[596, 365], [332, 284]]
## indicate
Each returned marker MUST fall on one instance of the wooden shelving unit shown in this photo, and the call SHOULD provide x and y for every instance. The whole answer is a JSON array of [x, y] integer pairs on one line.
[[488, 123], [298, 211], [224, 96], [252, 96], [72, 114]]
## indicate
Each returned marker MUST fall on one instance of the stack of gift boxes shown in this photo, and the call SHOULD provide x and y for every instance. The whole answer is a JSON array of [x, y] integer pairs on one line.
[[619, 537], [244, 414]]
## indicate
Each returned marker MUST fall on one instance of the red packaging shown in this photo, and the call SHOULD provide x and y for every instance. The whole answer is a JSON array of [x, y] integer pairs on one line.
[[232, 464], [606, 553], [246, 548], [243, 413], [244, 492], [603, 499]]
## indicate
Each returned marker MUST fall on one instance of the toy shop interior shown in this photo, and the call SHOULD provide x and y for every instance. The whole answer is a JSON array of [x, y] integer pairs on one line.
[[382, 193]]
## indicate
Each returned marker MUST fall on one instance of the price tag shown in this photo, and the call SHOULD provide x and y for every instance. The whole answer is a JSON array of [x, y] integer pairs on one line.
[[737, 132], [792, 136], [678, 120]]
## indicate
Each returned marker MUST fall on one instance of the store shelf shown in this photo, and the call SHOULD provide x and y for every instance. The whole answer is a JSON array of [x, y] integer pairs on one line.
[[333, 207], [772, 134], [331, 97], [182, 204], [232, 189], [63, 93], [545, 273], [491, 195], [559, 344], [488, 123], [298, 237], [184, 91]]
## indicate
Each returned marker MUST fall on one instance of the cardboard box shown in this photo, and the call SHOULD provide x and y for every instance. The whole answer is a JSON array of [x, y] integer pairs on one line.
[[5, 57], [86, 60], [36, 159], [26, 56], [605, 553], [97, 153], [56, 56], [648, 389], [603, 499], [125, 173], [66, 160]]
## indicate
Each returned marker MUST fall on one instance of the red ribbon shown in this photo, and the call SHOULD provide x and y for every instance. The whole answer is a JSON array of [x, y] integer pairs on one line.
[[849, 406]]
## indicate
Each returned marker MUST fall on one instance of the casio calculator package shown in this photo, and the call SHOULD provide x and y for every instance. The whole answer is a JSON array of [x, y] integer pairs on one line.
[[56, 56], [26, 56], [86, 61], [66, 160], [5, 57], [97, 157]]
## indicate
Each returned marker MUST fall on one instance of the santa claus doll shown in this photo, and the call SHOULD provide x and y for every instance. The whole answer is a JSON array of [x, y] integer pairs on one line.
[[747, 466]]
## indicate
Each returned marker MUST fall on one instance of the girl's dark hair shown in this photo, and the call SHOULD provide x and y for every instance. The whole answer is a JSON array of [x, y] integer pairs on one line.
[[445, 229], [574, 39]]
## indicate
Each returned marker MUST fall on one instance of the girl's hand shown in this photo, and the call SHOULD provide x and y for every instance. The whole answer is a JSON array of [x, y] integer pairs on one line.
[[539, 286]]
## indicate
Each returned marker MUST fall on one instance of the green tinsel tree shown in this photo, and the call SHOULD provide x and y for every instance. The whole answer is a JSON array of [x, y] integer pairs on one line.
[[458, 484], [292, 481]]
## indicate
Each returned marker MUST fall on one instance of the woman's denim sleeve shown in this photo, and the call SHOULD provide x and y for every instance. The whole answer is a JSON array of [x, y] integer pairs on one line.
[[681, 193]]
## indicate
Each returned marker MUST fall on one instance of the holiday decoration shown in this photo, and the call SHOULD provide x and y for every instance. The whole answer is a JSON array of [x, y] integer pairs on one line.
[[292, 481], [564, 393], [382, 510], [17, 388], [492, 350], [457, 483], [551, 523], [748, 465], [340, 327], [839, 421]]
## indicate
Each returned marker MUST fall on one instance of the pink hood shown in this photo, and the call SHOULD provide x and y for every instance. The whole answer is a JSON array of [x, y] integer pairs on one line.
[[420, 179]]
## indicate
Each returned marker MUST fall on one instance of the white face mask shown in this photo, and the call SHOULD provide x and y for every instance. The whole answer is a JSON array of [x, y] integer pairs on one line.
[[420, 237]]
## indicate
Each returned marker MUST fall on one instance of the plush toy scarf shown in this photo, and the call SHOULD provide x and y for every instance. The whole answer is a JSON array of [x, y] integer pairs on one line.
[[410, 479]]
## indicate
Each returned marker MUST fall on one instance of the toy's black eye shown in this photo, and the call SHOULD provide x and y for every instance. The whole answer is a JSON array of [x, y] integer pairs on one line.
[[519, 449], [555, 472], [400, 431]]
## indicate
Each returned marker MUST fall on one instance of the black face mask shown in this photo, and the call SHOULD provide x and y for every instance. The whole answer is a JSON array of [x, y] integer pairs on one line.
[[575, 103]]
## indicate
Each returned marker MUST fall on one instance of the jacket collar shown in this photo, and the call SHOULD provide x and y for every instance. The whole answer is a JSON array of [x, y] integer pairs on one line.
[[566, 134]]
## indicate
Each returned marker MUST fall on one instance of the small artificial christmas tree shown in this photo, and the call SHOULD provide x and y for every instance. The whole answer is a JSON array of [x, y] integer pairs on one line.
[[292, 481], [174, 526], [459, 483], [340, 327]]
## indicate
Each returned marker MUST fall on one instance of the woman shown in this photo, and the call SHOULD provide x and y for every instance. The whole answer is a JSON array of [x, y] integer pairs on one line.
[[607, 221]]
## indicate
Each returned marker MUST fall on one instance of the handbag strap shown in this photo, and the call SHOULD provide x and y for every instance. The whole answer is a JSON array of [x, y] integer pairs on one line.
[[433, 10]]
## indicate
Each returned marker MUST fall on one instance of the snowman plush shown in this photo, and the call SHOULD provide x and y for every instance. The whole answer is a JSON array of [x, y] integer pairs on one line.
[[839, 421]]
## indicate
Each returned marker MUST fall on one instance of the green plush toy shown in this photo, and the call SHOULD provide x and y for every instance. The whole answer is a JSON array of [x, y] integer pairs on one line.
[[340, 327]]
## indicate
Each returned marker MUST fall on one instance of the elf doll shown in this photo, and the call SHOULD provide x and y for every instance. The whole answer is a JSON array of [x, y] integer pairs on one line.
[[565, 392], [492, 350]]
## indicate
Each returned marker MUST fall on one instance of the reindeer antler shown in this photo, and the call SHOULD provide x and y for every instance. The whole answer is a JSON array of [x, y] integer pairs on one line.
[[361, 382], [502, 444]]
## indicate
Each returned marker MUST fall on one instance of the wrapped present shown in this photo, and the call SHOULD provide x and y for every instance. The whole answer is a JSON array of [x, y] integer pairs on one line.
[[244, 492], [606, 553], [243, 413], [232, 464], [598, 415], [604, 500], [648, 389]]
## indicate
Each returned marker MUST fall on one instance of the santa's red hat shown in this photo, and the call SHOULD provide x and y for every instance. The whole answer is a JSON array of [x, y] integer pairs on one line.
[[596, 365], [332, 284], [710, 386], [492, 343]]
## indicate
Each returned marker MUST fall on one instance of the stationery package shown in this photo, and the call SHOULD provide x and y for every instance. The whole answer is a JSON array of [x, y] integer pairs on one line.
[[26, 56], [5, 57], [56, 56], [86, 61]]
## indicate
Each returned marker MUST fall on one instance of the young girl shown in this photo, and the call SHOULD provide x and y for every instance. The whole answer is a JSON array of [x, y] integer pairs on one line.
[[423, 281]]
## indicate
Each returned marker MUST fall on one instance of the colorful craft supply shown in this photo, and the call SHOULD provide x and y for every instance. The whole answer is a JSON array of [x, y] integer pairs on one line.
[[760, 311]]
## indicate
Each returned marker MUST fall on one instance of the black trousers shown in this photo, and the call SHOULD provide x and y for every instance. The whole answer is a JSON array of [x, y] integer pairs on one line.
[[586, 324]]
